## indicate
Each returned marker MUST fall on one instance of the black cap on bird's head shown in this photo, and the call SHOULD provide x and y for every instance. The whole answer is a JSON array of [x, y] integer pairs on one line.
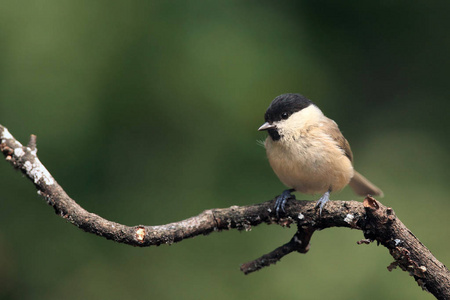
[[285, 105], [281, 108]]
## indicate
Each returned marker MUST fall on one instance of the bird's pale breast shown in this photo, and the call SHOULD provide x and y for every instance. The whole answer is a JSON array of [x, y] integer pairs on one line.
[[311, 164]]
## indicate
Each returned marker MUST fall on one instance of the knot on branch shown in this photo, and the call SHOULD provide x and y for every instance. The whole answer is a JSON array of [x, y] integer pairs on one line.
[[378, 220]]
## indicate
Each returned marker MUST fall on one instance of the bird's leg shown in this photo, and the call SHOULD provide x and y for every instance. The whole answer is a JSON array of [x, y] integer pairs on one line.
[[323, 200], [282, 199]]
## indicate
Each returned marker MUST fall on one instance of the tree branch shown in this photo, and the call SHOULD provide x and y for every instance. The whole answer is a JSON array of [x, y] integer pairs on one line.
[[377, 222]]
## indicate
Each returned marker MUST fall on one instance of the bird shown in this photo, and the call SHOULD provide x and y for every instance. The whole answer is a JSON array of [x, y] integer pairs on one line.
[[308, 152]]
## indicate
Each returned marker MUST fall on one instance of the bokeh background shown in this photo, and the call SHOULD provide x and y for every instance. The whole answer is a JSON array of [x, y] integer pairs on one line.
[[146, 113]]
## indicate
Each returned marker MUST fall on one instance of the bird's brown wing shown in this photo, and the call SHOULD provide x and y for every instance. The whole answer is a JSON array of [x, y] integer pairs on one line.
[[360, 184], [332, 130]]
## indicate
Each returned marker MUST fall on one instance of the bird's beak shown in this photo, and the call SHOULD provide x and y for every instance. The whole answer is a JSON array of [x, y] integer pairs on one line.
[[266, 126]]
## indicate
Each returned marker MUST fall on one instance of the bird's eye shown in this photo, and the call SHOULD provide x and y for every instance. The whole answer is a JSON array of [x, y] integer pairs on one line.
[[284, 115]]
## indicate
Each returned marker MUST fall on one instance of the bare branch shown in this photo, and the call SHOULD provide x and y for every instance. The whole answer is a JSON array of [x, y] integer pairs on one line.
[[299, 243], [377, 222]]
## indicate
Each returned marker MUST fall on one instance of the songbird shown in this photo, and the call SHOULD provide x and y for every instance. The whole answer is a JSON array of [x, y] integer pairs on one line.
[[308, 152]]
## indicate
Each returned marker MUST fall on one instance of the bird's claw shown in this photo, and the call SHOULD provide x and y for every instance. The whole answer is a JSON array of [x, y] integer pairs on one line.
[[282, 199], [322, 201]]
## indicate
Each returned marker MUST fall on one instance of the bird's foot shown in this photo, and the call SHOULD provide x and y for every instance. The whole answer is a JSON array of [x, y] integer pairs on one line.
[[322, 201], [282, 199]]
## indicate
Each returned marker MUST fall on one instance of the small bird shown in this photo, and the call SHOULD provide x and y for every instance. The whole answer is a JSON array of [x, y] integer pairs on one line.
[[308, 152]]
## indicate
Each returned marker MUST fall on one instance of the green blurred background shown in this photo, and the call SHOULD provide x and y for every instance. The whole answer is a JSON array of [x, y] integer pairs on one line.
[[146, 113]]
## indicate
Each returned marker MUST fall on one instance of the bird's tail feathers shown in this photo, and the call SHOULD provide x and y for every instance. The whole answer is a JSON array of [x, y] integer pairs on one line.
[[362, 186]]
